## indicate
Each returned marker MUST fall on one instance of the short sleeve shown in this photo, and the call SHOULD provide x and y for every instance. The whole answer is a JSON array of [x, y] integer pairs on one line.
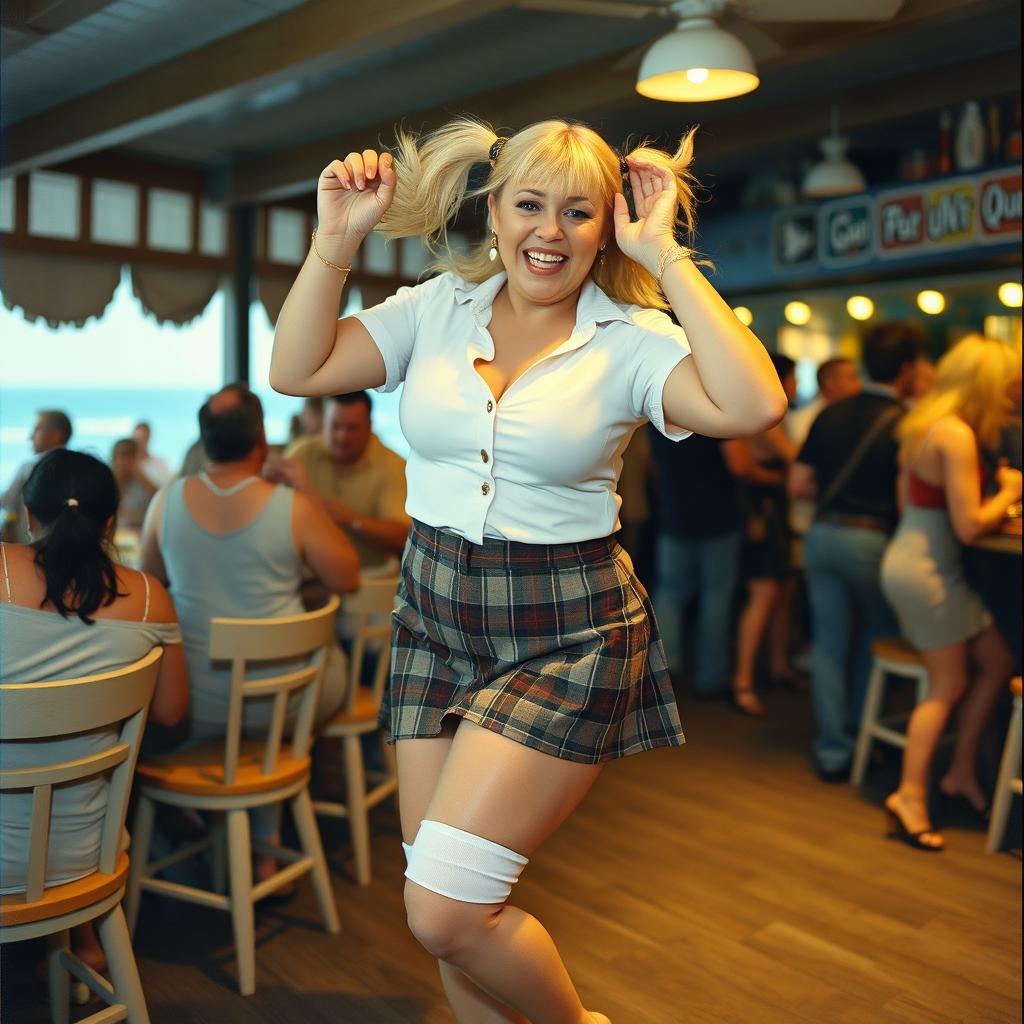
[[393, 325], [810, 450], [658, 349]]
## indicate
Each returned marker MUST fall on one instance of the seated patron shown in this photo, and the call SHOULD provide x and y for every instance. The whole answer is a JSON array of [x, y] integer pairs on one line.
[[66, 611], [358, 481], [52, 429], [135, 489]]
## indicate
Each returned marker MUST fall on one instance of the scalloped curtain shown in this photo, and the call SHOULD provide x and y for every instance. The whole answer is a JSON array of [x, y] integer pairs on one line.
[[172, 294], [60, 289]]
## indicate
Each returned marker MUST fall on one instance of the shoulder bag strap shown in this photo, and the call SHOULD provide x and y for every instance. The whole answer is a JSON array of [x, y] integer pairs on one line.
[[886, 419]]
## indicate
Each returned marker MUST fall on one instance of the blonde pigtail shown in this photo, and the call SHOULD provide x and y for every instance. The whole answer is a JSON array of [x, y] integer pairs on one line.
[[433, 182]]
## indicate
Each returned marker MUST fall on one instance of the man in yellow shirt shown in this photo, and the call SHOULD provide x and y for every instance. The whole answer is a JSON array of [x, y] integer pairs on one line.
[[360, 482]]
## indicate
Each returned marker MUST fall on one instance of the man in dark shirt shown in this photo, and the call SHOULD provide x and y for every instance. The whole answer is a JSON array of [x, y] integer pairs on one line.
[[857, 511], [699, 542]]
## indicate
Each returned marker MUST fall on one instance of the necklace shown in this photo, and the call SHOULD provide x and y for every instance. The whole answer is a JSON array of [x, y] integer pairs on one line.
[[226, 492]]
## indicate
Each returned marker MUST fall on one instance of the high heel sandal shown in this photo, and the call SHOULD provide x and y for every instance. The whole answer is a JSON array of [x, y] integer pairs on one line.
[[898, 830], [747, 702]]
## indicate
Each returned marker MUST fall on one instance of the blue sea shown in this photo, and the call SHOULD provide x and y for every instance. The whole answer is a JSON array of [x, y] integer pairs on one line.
[[101, 416]]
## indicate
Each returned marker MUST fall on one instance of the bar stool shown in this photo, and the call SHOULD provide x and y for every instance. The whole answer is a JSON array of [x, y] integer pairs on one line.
[[1009, 774], [893, 656]]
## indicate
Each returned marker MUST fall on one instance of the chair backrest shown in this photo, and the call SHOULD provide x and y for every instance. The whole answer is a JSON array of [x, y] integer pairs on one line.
[[247, 641], [370, 607], [42, 711]]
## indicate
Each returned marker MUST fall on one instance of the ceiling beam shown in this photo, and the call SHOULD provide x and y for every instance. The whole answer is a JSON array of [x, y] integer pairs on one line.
[[27, 21], [593, 86], [316, 35]]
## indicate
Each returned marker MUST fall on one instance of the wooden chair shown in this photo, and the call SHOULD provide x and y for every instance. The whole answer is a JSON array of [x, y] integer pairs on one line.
[[893, 656], [228, 777], [1009, 782], [37, 711], [371, 607]]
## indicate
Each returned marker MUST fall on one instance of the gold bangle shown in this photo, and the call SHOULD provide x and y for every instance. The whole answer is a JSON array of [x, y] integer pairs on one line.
[[327, 263], [669, 255]]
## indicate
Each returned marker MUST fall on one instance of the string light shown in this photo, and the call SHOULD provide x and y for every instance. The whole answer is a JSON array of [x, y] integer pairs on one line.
[[931, 302], [744, 315], [797, 313], [1010, 294], [860, 307]]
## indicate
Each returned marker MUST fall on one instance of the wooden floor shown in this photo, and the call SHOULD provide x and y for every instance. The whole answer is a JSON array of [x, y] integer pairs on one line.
[[718, 883]]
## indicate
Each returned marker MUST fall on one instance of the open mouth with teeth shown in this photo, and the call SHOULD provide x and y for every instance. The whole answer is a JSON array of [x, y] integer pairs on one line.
[[540, 261]]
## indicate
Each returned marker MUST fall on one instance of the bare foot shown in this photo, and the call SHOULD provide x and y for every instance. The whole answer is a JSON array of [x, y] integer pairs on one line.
[[966, 788], [87, 948], [912, 814], [748, 703]]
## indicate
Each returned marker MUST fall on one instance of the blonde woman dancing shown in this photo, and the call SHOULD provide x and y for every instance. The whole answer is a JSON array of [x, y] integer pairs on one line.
[[525, 653]]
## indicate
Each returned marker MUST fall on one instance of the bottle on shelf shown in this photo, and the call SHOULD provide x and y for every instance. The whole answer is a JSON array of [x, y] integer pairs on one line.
[[995, 134], [944, 160], [1013, 140], [970, 138]]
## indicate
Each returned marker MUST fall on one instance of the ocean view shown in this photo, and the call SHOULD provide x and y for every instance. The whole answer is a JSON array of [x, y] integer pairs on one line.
[[101, 416]]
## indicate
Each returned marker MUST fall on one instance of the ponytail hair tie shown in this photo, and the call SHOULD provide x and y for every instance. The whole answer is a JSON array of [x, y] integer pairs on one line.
[[496, 148], [71, 503]]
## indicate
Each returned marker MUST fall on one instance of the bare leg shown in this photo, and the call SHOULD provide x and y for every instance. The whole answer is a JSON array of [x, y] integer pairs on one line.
[[995, 664], [947, 674], [512, 795], [780, 632], [419, 767], [752, 624]]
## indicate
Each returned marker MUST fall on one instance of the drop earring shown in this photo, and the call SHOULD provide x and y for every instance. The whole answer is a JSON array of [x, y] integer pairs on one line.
[[492, 254], [600, 257]]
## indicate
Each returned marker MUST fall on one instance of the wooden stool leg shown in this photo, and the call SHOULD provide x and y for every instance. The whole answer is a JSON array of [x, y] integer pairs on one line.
[[1009, 766], [124, 973], [58, 980], [872, 706], [309, 837], [218, 852], [142, 835], [358, 815], [240, 870]]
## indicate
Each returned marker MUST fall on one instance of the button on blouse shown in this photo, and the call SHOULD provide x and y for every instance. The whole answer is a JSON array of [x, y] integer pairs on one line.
[[550, 451]]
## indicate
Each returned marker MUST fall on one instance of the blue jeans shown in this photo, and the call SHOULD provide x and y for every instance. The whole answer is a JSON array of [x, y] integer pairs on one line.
[[706, 568], [841, 566]]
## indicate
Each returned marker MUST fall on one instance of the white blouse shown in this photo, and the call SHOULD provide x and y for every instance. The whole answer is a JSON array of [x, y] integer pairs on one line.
[[541, 465]]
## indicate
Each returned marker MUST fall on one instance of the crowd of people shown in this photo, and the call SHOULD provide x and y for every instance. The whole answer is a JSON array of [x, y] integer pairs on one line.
[[860, 501]]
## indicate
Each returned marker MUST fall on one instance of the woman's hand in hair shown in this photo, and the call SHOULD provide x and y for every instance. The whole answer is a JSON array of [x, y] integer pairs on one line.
[[656, 199], [354, 194]]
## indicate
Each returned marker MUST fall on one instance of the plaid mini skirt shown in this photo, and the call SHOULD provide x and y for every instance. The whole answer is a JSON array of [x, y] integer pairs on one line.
[[555, 646]]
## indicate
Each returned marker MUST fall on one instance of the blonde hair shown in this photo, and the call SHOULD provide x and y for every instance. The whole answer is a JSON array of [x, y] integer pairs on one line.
[[433, 183], [971, 382]]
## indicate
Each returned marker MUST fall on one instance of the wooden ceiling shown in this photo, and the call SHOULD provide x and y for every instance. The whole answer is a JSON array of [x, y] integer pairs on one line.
[[260, 94]]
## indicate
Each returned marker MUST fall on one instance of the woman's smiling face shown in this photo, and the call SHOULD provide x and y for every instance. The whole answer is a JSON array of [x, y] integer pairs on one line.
[[548, 239]]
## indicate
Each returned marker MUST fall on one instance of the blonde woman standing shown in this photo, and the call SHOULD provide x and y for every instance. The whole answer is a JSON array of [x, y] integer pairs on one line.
[[525, 653], [942, 488]]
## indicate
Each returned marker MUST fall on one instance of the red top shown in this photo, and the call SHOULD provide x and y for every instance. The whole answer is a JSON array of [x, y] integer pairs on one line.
[[922, 494]]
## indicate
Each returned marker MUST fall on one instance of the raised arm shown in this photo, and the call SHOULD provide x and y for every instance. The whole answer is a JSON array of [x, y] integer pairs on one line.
[[315, 353], [729, 388]]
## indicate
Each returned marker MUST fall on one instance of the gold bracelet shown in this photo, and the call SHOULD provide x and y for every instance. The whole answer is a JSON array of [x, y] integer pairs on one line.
[[669, 255], [327, 263]]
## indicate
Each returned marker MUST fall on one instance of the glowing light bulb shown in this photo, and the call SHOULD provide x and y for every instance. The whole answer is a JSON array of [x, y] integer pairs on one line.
[[1010, 294], [931, 302], [797, 313], [860, 307], [744, 315], [697, 75]]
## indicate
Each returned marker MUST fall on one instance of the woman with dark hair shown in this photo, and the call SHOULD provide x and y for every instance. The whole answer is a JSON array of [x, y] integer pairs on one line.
[[760, 463], [68, 610]]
